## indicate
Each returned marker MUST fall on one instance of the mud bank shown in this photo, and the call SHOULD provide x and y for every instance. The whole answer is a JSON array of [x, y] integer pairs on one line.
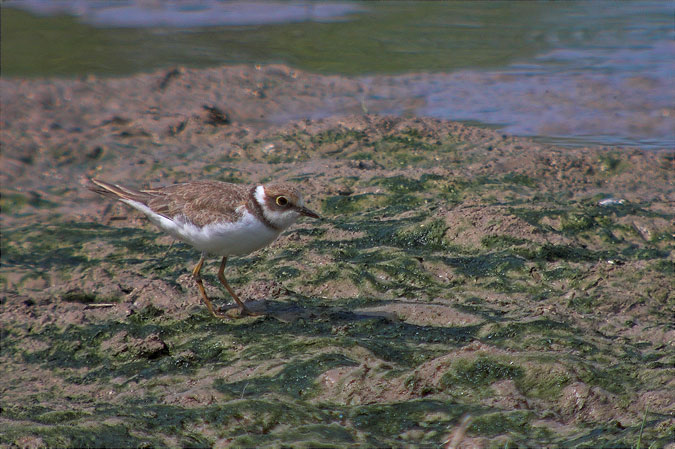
[[457, 271]]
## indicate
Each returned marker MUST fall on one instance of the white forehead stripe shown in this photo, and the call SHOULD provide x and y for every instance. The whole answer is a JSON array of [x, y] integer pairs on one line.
[[260, 195]]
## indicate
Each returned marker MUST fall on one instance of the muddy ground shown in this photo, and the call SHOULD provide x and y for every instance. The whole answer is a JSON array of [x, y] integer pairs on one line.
[[457, 271]]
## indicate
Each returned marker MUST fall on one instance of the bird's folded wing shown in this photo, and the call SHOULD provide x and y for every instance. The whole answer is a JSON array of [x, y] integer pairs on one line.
[[199, 202]]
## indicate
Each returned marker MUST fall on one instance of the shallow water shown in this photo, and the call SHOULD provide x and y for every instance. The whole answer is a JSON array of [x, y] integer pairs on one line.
[[574, 72]]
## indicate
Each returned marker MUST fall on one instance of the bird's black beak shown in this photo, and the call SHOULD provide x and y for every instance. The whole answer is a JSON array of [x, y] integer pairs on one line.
[[307, 213]]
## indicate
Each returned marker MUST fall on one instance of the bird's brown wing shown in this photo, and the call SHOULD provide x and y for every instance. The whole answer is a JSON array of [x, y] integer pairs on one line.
[[199, 202]]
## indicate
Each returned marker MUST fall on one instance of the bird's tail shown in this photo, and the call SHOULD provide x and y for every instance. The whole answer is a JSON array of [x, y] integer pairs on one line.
[[117, 191]]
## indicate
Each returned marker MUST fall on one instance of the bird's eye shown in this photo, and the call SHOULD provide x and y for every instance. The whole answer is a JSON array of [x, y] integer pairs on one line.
[[282, 201]]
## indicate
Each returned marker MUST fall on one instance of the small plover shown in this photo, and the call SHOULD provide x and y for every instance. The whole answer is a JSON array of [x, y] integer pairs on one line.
[[217, 218]]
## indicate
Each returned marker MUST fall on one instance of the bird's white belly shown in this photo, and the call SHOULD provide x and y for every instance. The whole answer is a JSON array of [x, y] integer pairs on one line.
[[219, 239], [223, 238], [230, 239]]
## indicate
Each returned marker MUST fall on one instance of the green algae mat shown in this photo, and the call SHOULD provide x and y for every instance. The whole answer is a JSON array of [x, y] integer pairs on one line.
[[463, 286]]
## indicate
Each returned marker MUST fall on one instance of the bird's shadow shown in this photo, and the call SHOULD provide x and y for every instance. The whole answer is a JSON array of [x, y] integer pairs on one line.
[[289, 312]]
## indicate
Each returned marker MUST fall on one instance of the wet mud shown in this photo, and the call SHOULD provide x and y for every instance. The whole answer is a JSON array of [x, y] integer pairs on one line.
[[458, 271]]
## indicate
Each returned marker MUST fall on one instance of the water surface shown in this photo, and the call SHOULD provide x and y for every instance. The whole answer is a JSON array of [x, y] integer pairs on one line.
[[573, 72]]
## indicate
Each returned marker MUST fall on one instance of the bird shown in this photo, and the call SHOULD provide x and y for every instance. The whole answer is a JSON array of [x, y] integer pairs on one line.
[[216, 218]]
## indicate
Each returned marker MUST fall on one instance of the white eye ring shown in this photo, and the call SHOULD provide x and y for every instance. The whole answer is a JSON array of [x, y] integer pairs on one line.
[[281, 201]]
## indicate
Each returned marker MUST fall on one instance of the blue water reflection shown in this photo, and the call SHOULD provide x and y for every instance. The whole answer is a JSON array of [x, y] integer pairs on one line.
[[574, 72]]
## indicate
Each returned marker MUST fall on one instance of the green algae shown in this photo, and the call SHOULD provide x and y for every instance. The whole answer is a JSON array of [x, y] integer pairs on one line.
[[402, 185], [584, 303], [55, 417], [224, 174], [428, 236], [14, 203], [394, 419], [612, 163], [88, 435], [508, 333], [401, 343], [286, 272], [407, 147], [61, 245], [519, 179], [544, 380], [256, 422], [578, 222], [480, 372], [491, 424], [498, 264], [664, 266], [391, 249], [342, 136], [296, 379], [342, 205]]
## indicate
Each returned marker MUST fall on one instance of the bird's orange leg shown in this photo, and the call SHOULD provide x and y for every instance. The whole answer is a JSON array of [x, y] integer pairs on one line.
[[198, 278], [221, 277]]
